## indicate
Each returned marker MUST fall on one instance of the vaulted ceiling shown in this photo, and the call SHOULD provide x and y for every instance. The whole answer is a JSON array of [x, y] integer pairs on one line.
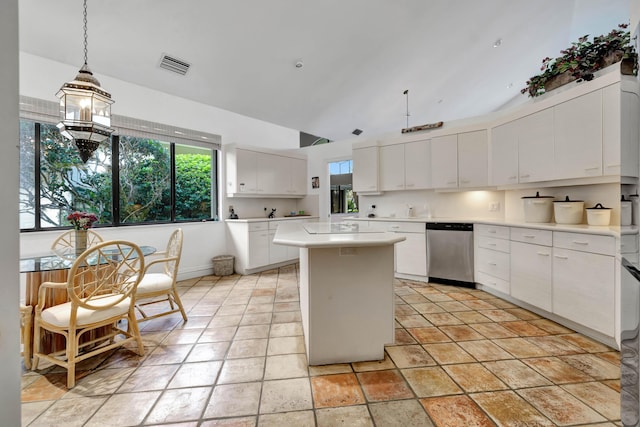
[[358, 56]]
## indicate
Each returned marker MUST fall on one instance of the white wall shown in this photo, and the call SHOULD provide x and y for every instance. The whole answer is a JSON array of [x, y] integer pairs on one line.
[[9, 134]]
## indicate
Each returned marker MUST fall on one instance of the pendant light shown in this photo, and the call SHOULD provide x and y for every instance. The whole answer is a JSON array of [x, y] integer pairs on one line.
[[85, 108]]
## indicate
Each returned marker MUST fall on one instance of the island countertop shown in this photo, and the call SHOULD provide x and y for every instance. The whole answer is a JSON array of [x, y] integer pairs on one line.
[[330, 235]]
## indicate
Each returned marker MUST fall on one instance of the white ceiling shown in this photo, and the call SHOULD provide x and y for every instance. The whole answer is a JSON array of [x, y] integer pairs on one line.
[[359, 55]]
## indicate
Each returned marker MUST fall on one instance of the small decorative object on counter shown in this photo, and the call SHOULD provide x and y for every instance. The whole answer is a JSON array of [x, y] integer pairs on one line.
[[568, 211], [372, 212], [233, 215], [598, 215], [273, 213], [538, 208], [625, 211]]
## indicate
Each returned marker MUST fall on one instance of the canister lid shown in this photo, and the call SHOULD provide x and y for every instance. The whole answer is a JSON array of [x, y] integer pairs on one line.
[[538, 196], [599, 206], [566, 199]]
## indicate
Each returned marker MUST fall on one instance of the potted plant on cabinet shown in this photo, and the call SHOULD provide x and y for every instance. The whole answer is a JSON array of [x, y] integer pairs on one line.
[[582, 59]]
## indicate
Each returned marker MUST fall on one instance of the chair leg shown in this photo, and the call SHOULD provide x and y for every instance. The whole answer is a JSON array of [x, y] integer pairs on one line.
[[132, 326], [72, 351], [178, 301], [25, 322], [36, 345]]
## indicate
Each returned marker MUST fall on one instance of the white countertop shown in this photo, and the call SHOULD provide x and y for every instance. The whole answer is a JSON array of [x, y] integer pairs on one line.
[[321, 236], [282, 218], [610, 230]]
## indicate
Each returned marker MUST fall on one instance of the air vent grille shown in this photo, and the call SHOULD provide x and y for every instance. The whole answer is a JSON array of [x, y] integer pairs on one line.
[[175, 65]]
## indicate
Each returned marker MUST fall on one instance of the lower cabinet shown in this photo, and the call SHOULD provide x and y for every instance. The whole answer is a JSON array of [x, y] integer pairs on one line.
[[571, 275], [411, 254], [252, 245], [531, 274]]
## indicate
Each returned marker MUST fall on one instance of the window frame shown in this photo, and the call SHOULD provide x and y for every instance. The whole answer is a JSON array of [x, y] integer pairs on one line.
[[115, 178]]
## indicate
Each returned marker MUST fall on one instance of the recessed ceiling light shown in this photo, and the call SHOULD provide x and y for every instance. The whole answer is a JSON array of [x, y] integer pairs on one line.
[[440, 101], [497, 43], [299, 64]]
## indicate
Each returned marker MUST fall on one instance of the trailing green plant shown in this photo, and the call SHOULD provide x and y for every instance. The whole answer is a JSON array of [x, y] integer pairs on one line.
[[583, 58]]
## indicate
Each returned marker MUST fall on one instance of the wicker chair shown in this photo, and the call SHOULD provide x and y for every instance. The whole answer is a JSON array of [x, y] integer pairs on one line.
[[66, 242], [100, 288], [25, 333], [162, 284]]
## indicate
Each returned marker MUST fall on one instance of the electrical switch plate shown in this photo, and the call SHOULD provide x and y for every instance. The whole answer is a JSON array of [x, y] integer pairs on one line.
[[494, 206], [230, 208]]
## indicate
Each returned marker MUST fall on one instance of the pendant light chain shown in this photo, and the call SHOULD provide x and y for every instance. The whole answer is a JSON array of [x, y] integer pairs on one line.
[[85, 32]]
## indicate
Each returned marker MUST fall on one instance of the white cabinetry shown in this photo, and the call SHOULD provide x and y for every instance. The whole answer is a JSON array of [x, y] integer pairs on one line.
[[535, 147], [365, 169], [410, 254], [444, 161], [583, 280], [473, 170], [417, 163], [252, 173], [620, 130], [492, 256], [257, 245], [392, 167], [578, 137], [504, 154], [531, 280], [277, 253]]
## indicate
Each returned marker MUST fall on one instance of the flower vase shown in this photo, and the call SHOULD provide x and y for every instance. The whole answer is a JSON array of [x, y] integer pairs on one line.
[[81, 242]]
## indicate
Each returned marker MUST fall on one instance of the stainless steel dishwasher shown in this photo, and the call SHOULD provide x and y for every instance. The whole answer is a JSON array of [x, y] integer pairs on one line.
[[450, 253]]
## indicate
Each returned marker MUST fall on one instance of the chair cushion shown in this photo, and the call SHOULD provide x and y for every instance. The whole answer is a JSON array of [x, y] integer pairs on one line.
[[154, 282], [60, 314]]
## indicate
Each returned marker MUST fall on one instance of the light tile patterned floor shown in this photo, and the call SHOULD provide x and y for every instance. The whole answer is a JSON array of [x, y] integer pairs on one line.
[[461, 358]]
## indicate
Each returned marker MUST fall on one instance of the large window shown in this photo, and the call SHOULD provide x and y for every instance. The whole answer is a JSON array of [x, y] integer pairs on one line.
[[152, 181]]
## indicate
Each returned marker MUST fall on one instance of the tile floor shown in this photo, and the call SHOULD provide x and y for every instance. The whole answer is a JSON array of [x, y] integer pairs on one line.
[[461, 358]]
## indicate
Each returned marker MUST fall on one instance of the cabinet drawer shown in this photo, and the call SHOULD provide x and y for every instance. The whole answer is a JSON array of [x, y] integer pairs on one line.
[[258, 226], [493, 263], [493, 282], [628, 243], [492, 243], [496, 231], [532, 235], [593, 243], [406, 227]]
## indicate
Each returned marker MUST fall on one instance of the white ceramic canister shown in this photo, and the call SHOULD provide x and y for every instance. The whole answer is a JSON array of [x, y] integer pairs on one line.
[[625, 211], [537, 208], [635, 209], [568, 211], [598, 215]]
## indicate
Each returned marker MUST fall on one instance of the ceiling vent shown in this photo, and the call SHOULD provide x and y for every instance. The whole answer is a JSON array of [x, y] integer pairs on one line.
[[175, 65], [357, 131]]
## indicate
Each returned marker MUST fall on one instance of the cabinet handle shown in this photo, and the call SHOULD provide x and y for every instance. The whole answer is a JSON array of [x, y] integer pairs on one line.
[[394, 227], [525, 176], [451, 182], [577, 242], [492, 263], [615, 165], [592, 169], [464, 181], [561, 257], [399, 186], [529, 236], [512, 177], [543, 253], [408, 185], [491, 244], [492, 231]]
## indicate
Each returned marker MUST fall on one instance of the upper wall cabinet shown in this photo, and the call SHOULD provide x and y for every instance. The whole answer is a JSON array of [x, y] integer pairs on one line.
[[365, 170], [621, 129], [405, 166], [252, 173], [460, 160], [577, 127]]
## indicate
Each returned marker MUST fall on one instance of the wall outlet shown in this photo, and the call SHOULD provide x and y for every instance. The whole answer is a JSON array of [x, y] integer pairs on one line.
[[230, 208], [494, 206]]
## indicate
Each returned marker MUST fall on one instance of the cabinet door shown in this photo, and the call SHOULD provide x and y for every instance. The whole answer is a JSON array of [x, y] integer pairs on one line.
[[365, 169], [246, 171], [531, 274], [298, 176], [258, 249], [417, 163], [411, 254], [504, 154], [392, 167], [273, 174], [583, 289], [444, 161], [577, 129], [535, 147], [620, 131], [277, 253], [473, 168]]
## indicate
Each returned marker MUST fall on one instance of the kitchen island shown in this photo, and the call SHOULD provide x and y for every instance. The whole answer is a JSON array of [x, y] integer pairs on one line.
[[346, 289]]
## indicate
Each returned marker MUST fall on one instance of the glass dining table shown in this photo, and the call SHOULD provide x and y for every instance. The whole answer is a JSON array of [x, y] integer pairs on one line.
[[53, 267]]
